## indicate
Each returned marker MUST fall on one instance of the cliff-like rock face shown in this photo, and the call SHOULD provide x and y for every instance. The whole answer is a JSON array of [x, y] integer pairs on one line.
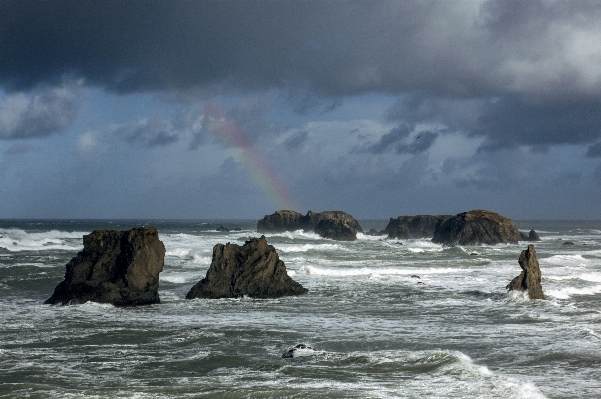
[[420, 226], [117, 267], [336, 225], [530, 277], [254, 270], [476, 228]]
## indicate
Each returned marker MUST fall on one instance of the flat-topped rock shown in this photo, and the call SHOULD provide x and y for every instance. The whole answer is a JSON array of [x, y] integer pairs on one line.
[[117, 267], [253, 270], [336, 225], [476, 228], [530, 277], [419, 226]]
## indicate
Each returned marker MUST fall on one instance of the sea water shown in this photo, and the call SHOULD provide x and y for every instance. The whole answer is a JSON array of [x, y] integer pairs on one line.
[[382, 319]]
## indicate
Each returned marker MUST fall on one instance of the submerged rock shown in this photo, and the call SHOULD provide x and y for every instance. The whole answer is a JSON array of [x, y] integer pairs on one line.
[[420, 226], [336, 225], [568, 243], [476, 228], [117, 267], [300, 349], [222, 229], [253, 270], [530, 277]]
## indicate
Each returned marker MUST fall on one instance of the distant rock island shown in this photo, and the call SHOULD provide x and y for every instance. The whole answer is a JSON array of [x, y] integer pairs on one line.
[[253, 270], [336, 225], [476, 228], [530, 277], [117, 267]]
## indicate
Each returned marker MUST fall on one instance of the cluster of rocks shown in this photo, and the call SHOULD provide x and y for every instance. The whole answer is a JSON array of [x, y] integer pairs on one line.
[[336, 225], [475, 227], [122, 267]]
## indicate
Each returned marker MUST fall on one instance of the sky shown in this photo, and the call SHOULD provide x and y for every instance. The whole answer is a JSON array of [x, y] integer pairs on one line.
[[235, 109]]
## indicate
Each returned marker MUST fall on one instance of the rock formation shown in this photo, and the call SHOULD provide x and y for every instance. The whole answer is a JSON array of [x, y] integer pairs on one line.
[[476, 228], [420, 226], [254, 270], [532, 236], [530, 277], [281, 221], [117, 267], [336, 225]]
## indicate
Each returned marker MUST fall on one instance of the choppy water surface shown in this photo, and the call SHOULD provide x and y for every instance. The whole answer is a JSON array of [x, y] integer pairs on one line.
[[376, 331]]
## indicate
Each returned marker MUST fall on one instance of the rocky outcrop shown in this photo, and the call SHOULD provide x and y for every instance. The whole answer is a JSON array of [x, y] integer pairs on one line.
[[336, 225], [530, 277], [117, 267], [281, 221], [476, 228], [253, 270], [532, 236], [420, 226]]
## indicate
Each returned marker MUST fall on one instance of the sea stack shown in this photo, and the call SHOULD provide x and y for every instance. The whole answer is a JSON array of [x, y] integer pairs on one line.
[[117, 267], [253, 270], [336, 225], [530, 277], [476, 228]]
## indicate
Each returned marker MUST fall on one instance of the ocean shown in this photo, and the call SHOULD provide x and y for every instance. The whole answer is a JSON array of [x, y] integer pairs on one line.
[[382, 319]]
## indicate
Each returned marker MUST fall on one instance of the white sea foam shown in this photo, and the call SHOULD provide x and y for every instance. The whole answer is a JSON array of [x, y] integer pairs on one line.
[[16, 240], [173, 277], [567, 292], [308, 247], [338, 272], [566, 260]]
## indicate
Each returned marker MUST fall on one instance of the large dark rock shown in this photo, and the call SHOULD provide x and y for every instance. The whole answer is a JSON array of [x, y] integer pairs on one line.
[[530, 277], [117, 267], [476, 228], [336, 225], [254, 270], [420, 226]]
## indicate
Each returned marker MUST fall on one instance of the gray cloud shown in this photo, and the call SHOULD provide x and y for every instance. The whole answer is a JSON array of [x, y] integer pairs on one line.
[[594, 151], [156, 131], [39, 114]]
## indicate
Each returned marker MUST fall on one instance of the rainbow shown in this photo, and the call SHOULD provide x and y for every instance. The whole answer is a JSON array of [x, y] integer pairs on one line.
[[243, 151]]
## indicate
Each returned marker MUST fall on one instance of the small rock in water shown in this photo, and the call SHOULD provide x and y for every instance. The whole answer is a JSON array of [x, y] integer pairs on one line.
[[568, 243], [296, 350], [223, 229], [415, 276]]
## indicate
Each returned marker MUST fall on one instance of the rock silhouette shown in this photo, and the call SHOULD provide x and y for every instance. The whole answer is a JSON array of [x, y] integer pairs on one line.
[[476, 228], [253, 270], [117, 267], [530, 277], [420, 226]]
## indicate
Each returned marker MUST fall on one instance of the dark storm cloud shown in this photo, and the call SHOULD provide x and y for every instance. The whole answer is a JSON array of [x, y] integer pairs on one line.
[[530, 69]]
